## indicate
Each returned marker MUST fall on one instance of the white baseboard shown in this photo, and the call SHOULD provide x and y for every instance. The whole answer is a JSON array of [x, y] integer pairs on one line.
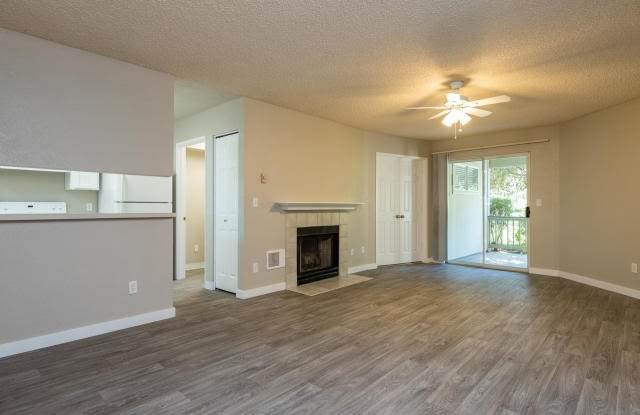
[[630, 292], [544, 271], [431, 261], [33, 343], [360, 268], [208, 285], [194, 265], [254, 292]]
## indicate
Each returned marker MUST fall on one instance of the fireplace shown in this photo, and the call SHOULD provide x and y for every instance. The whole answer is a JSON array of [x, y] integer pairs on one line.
[[318, 253]]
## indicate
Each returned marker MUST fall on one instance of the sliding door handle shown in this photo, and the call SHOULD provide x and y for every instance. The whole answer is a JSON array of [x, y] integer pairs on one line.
[[528, 212], [399, 216]]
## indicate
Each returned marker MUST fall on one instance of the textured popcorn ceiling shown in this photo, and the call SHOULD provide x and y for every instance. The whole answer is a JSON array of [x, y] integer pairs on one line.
[[362, 62]]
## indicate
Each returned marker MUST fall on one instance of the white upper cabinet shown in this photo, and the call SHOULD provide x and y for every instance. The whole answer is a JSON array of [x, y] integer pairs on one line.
[[81, 180]]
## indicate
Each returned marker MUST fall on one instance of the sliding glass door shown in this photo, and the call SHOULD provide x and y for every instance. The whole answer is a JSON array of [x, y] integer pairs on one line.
[[488, 212]]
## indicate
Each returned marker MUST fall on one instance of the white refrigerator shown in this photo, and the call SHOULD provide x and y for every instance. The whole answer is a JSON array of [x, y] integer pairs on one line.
[[128, 193]]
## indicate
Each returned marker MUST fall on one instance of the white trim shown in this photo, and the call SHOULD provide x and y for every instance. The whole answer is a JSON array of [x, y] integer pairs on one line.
[[208, 285], [544, 271], [630, 292], [180, 156], [65, 336], [431, 261], [194, 265], [360, 268], [601, 284], [254, 292]]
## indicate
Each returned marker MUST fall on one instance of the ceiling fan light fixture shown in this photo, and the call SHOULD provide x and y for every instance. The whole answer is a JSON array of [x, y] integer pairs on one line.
[[463, 118], [456, 116], [450, 119]]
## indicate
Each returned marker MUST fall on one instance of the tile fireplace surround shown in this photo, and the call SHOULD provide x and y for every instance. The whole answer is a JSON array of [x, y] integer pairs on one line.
[[296, 220]]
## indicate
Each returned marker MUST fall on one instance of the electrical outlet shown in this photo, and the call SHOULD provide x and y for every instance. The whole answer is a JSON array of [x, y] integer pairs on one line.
[[362, 249], [351, 251], [196, 248], [538, 202], [89, 207], [634, 268], [133, 287], [255, 267]]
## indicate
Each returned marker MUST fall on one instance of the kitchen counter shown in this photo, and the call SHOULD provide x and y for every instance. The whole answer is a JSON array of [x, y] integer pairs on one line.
[[82, 216]]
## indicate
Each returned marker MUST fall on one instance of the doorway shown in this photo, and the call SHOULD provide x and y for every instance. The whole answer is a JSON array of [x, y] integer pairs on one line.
[[220, 214], [190, 162], [488, 212], [400, 209]]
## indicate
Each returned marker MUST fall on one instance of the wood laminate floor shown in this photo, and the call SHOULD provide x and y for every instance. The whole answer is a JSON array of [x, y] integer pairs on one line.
[[415, 339]]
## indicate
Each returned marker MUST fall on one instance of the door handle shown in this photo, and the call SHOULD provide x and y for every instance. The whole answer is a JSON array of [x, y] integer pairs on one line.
[[528, 212], [399, 216]]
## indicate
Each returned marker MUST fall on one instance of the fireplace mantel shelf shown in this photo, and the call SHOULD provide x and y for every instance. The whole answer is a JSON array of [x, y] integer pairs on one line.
[[317, 206]]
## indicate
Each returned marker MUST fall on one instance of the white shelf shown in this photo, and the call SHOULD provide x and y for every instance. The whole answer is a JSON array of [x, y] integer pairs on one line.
[[317, 206]]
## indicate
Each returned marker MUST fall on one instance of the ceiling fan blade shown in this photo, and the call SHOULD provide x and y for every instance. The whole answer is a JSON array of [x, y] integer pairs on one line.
[[476, 111], [438, 115], [489, 101], [426, 108]]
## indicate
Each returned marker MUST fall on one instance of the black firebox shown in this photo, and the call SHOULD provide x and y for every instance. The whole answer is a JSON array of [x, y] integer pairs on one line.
[[318, 251]]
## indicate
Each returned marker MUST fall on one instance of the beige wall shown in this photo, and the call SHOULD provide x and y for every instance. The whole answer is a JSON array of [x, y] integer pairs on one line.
[[544, 183], [64, 108], [67, 109], [65, 274], [195, 206], [305, 158], [599, 197], [586, 178], [43, 186]]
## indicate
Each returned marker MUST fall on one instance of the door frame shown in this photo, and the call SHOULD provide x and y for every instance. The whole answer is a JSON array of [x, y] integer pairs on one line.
[[422, 256], [180, 252], [485, 206]]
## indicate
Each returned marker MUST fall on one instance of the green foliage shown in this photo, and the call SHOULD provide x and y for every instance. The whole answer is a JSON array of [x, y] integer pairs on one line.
[[500, 206]]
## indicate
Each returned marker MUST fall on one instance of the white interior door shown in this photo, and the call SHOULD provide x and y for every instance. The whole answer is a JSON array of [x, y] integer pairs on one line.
[[226, 212], [399, 236]]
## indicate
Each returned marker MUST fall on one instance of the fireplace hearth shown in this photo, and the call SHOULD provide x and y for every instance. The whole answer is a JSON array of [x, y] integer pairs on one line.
[[318, 253]]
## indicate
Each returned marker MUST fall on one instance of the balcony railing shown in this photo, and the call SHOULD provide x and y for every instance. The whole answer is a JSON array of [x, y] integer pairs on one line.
[[507, 233]]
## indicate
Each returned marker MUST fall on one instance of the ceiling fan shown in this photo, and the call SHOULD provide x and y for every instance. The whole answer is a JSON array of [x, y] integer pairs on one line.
[[458, 108]]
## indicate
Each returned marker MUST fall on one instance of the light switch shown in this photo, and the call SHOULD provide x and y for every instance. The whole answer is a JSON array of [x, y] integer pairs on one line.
[[538, 202], [255, 267], [255, 201]]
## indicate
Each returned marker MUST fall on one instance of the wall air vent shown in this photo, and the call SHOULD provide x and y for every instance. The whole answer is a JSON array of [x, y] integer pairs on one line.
[[275, 259]]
